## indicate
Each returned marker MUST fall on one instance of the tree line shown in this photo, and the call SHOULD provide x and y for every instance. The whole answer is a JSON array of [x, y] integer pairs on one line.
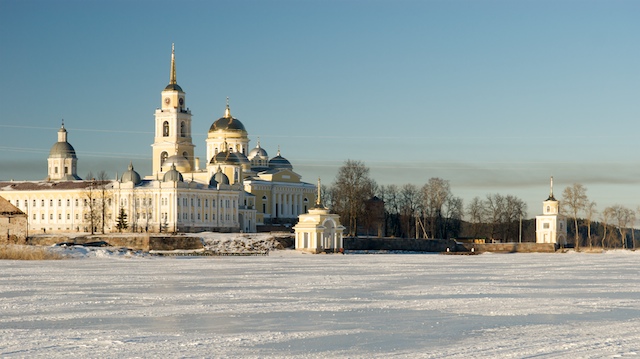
[[433, 211]]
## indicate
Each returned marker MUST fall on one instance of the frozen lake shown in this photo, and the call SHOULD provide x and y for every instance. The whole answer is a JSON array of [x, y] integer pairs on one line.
[[318, 306]]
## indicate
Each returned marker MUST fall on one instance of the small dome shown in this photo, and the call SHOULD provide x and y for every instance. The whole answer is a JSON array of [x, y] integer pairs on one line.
[[243, 159], [220, 177], [181, 163], [173, 175], [280, 162], [131, 176], [228, 158], [62, 149], [258, 152]]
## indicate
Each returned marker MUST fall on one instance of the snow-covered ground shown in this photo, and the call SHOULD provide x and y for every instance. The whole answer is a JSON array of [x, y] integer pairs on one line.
[[288, 304]]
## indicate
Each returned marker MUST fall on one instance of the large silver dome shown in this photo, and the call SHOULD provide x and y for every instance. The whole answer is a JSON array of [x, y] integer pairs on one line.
[[181, 164], [62, 149]]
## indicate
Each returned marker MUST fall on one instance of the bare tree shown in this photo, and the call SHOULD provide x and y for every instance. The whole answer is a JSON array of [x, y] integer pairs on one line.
[[409, 202], [352, 187], [494, 206], [503, 214], [453, 213], [623, 217], [104, 196], [515, 209], [91, 206], [632, 221], [607, 216], [590, 211], [326, 196], [476, 212], [574, 200], [392, 208], [434, 196]]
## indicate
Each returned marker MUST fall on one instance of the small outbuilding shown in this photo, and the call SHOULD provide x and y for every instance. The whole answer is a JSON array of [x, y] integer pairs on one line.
[[319, 231], [13, 223]]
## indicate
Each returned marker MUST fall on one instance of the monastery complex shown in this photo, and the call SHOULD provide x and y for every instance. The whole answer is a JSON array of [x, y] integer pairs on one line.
[[236, 188]]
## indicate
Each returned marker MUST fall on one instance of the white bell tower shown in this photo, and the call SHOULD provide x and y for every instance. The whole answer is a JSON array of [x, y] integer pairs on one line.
[[172, 125], [551, 226]]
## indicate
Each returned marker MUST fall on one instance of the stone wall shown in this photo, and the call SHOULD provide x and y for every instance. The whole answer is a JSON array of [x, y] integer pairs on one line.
[[133, 241], [442, 245], [399, 244], [526, 247], [13, 229]]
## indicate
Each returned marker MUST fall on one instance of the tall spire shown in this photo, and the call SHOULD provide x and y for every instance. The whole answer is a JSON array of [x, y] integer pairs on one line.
[[551, 198], [319, 199], [172, 79], [227, 110]]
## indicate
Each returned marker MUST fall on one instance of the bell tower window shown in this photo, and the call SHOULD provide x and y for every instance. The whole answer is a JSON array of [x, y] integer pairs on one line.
[[163, 157], [183, 129], [165, 129]]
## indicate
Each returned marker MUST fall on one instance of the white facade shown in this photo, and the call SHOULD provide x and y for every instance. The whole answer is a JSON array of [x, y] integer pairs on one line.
[[319, 231], [551, 226], [153, 206]]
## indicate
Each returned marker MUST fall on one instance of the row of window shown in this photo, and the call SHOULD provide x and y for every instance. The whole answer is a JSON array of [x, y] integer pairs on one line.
[[224, 203], [42, 216], [185, 217], [66, 170], [43, 203]]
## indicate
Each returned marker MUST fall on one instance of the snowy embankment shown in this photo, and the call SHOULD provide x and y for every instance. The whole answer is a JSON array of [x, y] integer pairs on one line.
[[244, 242], [219, 243], [571, 305]]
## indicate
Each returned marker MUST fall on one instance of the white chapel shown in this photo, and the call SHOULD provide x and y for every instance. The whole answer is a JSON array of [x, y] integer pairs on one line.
[[319, 231], [551, 226]]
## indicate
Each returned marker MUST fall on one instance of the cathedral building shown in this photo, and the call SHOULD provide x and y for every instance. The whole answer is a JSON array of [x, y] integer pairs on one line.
[[235, 189]]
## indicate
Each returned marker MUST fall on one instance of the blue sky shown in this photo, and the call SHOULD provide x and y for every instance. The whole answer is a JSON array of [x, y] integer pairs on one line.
[[495, 96]]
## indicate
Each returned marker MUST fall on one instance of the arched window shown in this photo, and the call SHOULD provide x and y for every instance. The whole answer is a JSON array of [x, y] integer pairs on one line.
[[165, 129], [185, 155], [163, 157], [183, 129], [548, 208]]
